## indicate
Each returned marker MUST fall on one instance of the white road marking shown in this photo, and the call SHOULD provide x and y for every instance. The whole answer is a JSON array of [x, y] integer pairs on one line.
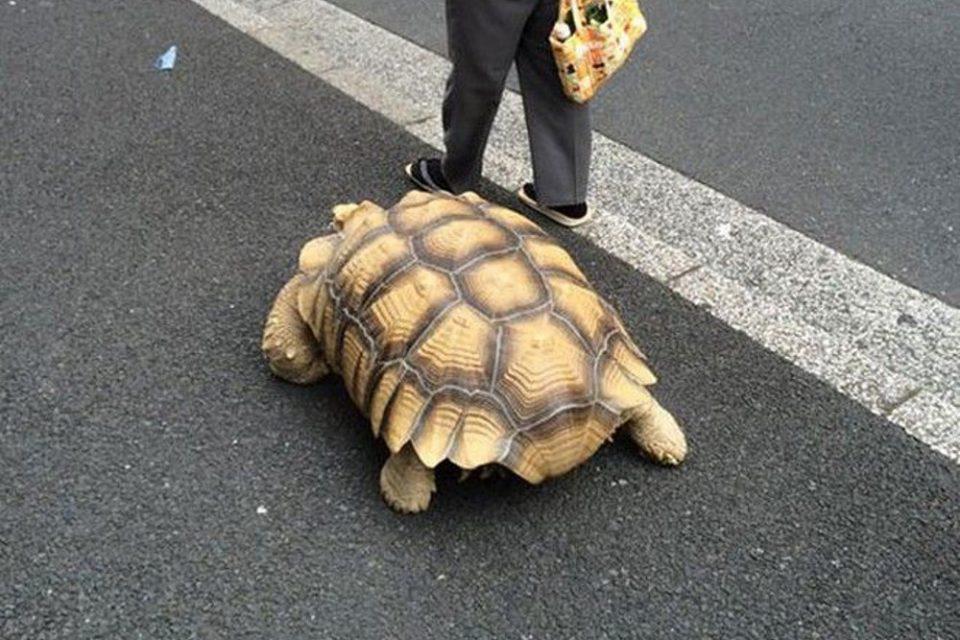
[[886, 345]]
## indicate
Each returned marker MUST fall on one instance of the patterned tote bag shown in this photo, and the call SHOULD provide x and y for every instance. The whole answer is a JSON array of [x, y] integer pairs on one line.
[[591, 40]]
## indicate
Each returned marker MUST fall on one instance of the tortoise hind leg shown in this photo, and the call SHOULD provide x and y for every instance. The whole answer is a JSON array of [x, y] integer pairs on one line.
[[290, 347], [657, 433], [406, 483]]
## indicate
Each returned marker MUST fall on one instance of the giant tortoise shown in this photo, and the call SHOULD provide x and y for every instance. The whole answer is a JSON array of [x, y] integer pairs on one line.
[[467, 334]]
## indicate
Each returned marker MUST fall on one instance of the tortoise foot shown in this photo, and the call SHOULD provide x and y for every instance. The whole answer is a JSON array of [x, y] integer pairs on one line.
[[658, 435], [406, 483], [288, 344]]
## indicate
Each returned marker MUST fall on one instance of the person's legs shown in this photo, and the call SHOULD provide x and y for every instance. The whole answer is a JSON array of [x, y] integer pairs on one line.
[[559, 129], [482, 40]]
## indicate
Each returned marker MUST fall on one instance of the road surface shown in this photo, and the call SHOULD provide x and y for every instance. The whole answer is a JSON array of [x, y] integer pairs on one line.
[[157, 482]]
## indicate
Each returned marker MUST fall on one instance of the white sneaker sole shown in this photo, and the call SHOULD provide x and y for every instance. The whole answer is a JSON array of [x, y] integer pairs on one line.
[[556, 216]]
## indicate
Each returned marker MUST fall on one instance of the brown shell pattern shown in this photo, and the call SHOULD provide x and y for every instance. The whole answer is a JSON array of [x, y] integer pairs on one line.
[[461, 327]]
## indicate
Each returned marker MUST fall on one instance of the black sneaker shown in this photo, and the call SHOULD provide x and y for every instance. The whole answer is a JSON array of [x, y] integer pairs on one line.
[[569, 215], [427, 175]]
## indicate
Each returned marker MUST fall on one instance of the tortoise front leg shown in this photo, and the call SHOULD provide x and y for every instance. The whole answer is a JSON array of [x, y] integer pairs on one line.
[[406, 483], [657, 433], [288, 343]]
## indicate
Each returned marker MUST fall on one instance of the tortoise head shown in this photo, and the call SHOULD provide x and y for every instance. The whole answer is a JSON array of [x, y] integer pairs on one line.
[[351, 216]]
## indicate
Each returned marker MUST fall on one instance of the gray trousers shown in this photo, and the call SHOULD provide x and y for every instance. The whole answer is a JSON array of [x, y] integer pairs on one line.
[[484, 38]]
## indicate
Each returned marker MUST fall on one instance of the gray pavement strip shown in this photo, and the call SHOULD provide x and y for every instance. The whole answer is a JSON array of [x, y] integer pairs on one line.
[[890, 347]]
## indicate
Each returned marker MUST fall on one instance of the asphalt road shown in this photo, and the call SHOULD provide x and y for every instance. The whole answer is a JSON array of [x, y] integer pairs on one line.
[[157, 482], [835, 117]]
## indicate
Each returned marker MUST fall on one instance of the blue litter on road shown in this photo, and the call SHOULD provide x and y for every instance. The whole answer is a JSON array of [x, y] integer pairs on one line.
[[166, 61]]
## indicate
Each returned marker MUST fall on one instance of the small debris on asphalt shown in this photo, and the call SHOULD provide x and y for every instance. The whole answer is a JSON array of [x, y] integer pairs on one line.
[[906, 320], [262, 510], [167, 59]]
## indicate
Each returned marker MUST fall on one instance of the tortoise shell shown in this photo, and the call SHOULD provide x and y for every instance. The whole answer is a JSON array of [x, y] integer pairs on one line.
[[459, 326]]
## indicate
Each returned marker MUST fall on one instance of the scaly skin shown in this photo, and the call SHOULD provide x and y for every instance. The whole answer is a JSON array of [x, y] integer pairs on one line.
[[406, 483], [657, 434], [288, 343]]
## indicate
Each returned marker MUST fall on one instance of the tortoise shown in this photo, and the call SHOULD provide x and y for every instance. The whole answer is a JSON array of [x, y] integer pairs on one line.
[[465, 333]]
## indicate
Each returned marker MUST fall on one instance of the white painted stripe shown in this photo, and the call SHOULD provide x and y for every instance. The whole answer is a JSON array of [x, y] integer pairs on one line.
[[888, 346]]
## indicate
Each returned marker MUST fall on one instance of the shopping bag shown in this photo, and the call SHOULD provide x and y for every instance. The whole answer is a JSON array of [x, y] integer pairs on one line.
[[591, 40]]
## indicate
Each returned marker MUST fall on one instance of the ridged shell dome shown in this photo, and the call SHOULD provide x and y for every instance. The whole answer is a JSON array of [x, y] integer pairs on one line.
[[461, 327]]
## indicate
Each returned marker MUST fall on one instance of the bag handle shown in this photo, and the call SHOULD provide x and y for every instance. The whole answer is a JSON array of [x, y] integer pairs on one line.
[[578, 14]]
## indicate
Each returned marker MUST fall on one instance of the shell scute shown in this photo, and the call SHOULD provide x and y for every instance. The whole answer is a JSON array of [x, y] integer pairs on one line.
[[503, 285], [512, 220], [384, 385], [439, 426], [582, 307], [368, 265], [620, 347], [459, 350], [483, 436], [560, 443], [543, 368], [412, 215], [552, 258], [356, 361], [458, 240], [404, 310], [403, 411]]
